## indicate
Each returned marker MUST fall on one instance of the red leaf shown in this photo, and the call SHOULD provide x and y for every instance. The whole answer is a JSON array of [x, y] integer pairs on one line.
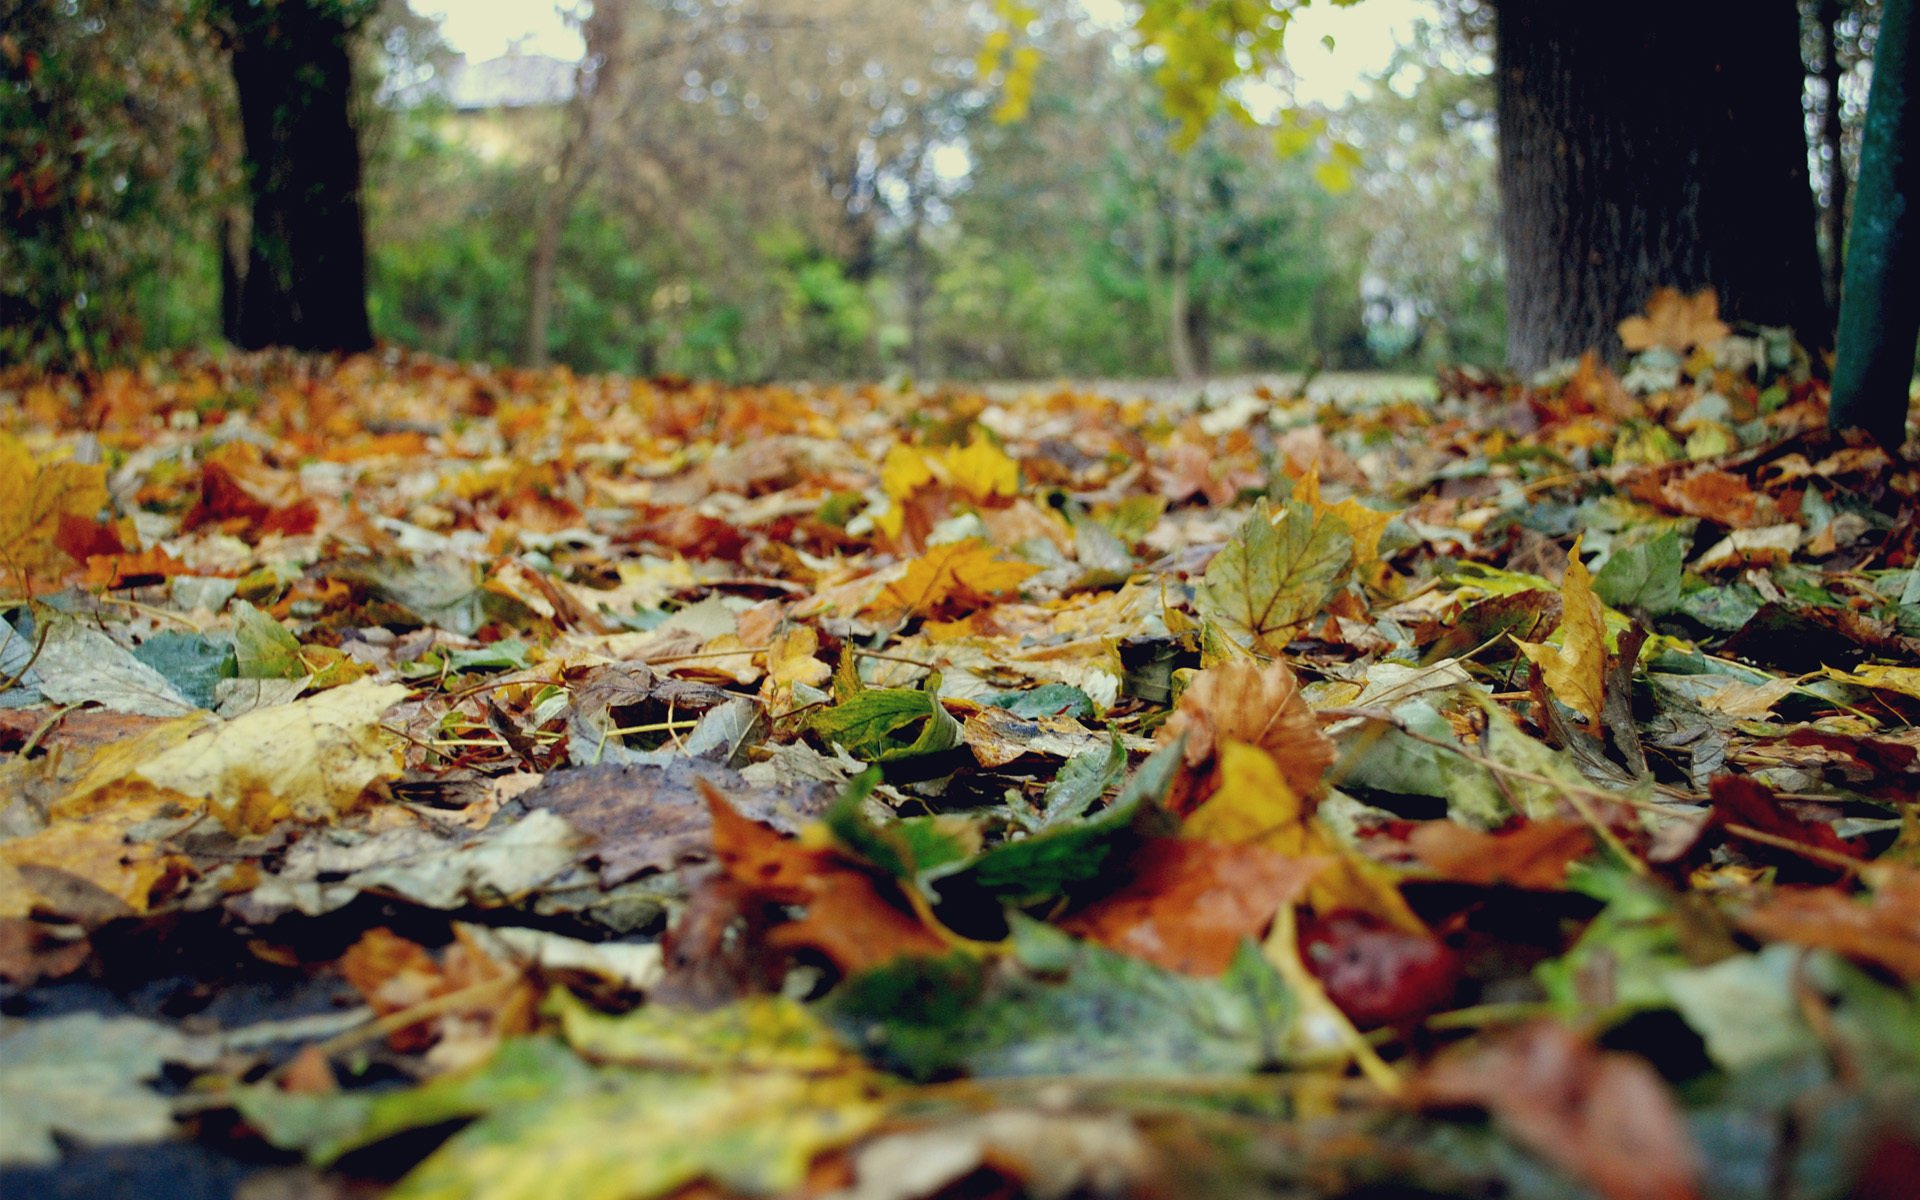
[[1376, 974]]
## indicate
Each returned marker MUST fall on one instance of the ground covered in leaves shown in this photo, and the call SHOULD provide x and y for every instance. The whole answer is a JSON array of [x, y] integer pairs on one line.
[[437, 782]]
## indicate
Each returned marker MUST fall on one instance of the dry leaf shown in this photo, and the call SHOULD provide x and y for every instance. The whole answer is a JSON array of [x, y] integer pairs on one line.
[[1255, 703], [1675, 322], [1575, 670]]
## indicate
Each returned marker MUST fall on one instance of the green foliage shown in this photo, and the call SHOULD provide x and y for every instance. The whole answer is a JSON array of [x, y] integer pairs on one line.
[[110, 152]]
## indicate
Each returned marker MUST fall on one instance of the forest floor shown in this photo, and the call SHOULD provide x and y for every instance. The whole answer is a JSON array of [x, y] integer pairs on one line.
[[438, 782]]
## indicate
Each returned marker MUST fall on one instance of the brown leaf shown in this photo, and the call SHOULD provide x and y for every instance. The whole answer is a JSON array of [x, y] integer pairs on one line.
[[1190, 904], [1535, 855], [1245, 701], [1884, 930], [1740, 803], [1375, 973], [1605, 1117], [854, 925]]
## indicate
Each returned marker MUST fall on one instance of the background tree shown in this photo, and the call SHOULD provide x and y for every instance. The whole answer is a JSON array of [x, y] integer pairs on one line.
[[304, 285]]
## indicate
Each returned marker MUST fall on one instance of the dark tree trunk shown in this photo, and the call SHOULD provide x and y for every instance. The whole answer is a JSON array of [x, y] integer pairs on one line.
[[306, 276], [1646, 143], [1880, 307]]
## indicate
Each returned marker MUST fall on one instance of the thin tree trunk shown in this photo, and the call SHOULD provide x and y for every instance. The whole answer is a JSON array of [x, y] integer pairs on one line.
[[1647, 143], [1833, 145], [1179, 314], [542, 265]]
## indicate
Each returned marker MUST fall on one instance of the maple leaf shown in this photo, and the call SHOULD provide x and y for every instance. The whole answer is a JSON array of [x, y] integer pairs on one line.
[[1575, 671], [1271, 578], [1363, 524], [966, 573], [36, 499], [1675, 322], [981, 469]]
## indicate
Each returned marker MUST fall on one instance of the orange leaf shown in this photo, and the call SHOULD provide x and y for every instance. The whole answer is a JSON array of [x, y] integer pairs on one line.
[[1534, 856], [1884, 930], [1191, 904], [1246, 701], [1607, 1118], [965, 573], [854, 925], [1675, 322]]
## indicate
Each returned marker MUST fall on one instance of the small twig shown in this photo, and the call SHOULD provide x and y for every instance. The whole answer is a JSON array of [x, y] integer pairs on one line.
[[46, 727], [158, 614], [1830, 858], [408, 1017]]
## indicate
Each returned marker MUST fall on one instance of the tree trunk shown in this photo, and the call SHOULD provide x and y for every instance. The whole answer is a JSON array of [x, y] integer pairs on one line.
[[542, 265], [1180, 322], [1833, 218], [306, 278], [1880, 311], [1647, 143]]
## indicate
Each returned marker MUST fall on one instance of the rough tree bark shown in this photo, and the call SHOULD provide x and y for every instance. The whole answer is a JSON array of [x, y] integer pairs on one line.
[[306, 275], [1646, 143]]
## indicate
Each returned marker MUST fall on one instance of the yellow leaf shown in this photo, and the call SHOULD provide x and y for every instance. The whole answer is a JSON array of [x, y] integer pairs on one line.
[[1255, 805], [1364, 525], [93, 841], [309, 759], [965, 572], [904, 471], [1333, 175], [1576, 669], [1675, 322], [33, 498], [791, 658], [982, 470], [1905, 680]]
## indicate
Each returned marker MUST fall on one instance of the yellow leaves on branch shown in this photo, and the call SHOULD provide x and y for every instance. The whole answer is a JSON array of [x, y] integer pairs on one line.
[[964, 573], [1575, 671], [34, 496], [1675, 322]]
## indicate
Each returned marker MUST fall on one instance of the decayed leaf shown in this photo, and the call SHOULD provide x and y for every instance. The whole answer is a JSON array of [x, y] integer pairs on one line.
[[309, 759], [1256, 805], [1190, 905], [1575, 670], [1605, 1117], [1259, 705], [964, 573], [1271, 578], [1675, 322], [34, 496]]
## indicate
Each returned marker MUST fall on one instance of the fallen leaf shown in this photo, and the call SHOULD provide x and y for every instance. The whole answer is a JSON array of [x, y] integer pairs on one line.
[[1883, 929], [1256, 704], [1271, 578], [1190, 905], [1535, 855], [35, 496], [83, 1076], [310, 759], [1376, 974], [960, 574], [1675, 322], [1605, 1117], [1575, 671]]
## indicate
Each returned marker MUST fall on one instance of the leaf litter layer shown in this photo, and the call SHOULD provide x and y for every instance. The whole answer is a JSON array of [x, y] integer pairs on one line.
[[492, 784]]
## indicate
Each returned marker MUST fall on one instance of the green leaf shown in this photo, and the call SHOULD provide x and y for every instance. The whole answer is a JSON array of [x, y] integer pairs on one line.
[[1272, 578], [883, 724], [1065, 1007], [1644, 575], [1083, 779], [1057, 858], [192, 662], [262, 647], [1047, 700]]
